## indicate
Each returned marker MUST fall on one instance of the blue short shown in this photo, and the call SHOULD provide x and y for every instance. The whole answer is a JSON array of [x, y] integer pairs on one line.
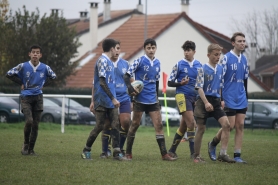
[[125, 107]]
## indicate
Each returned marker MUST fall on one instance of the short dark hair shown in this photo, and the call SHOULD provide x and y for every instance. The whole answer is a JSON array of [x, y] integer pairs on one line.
[[35, 46], [233, 38], [189, 45], [118, 42], [149, 41], [108, 43]]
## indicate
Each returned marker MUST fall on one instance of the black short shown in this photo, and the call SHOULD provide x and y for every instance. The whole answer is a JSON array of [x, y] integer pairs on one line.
[[233, 112], [32, 103], [200, 110], [140, 107]]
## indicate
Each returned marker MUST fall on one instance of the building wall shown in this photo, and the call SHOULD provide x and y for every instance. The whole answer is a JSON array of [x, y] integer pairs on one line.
[[253, 87]]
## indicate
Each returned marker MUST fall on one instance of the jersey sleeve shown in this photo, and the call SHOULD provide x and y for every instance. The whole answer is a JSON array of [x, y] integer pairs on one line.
[[223, 63], [133, 66], [173, 75], [15, 70], [200, 78], [246, 72], [157, 76], [102, 65], [50, 73]]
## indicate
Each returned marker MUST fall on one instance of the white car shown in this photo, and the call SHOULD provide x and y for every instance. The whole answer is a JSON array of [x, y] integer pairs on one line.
[[172, 115]]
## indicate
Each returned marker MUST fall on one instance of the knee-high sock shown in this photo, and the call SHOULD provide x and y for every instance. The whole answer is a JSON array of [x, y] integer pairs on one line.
[[191, 136], [105, 140], [161, 143], [129, 143], [123, 135], [176, 141]]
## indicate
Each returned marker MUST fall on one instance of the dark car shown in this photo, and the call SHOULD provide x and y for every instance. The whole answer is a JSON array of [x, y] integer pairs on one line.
[[10, 110], [85, 116], [52, 112]]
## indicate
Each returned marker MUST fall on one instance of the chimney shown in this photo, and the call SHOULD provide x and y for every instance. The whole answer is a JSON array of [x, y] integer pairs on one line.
[[54, 11], [140, 6], [106, 11], [93, 24], [185, 6], [83, 16], [253, 55]]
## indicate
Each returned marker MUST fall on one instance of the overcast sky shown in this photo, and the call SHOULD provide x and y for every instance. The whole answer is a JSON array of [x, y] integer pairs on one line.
[[215, 14]]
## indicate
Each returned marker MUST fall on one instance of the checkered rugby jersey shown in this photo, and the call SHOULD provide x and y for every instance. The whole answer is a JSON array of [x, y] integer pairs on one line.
[[32, 77], [104, 68], [148, 71], [120, 68], [236, 70], [210, 79], [182, 69]]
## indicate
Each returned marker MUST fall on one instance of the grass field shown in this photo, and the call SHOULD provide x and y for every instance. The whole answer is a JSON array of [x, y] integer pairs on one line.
[[59, 160]]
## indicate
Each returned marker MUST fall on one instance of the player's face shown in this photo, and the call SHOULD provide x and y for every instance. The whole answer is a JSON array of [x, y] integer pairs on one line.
[[150, 50], [189, 54], [116, 53], [214, 56], [35, 56], [239, 43]]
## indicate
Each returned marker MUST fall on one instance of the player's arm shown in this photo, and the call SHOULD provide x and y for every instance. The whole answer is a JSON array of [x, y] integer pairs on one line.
[[128, 77], [12, 74], [50, 76], [105, 87], [92, 100], [172, 80], [202, 95]]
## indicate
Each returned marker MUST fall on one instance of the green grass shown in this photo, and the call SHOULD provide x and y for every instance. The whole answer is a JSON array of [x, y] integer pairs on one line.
[[59, 160]]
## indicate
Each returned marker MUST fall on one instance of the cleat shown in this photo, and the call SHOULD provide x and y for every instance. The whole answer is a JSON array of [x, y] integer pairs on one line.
[[103, 156], [128, 157], [32, 152], [173, 155], [123, 152], [108, 153], [192, 156], [211, 152], [86, 155], [198, 159], [167, 157], [225, 158], [239, 160], [24, 150], [120, 157]]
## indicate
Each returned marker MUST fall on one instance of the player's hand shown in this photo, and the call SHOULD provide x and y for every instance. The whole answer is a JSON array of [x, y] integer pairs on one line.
[[208, 107], [131, 106], [116, 103], [132, 91], [22, 87], [185, 80], [92, 107], [222, 104]]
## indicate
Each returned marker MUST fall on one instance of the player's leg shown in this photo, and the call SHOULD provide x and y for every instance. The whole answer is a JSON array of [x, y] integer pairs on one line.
[[124, 117], [190, 122], [155, 114], [106, 139], [100, 115], [239, 130], [27, 111]]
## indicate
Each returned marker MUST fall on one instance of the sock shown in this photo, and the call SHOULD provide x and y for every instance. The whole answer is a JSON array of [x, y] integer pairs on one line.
[[123, 135], [223, 152], [86, 149], [161, 143], [215, 141], [129, 143], [237, 152], [176, 141], [191, 136], [105, 140]]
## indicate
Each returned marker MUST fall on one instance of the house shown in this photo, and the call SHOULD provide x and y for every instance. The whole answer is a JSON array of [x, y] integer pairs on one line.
[[169, 30]]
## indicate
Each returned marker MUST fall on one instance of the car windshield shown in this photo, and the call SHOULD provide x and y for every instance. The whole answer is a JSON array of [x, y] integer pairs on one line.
[[7, 100], [72, 103], [49, 103], [275, 108]]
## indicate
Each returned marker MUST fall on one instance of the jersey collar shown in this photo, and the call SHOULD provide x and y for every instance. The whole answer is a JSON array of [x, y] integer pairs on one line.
[[214, 69], [116, 63], [151, 61], [238, 57], [190, 63], [34, 67]]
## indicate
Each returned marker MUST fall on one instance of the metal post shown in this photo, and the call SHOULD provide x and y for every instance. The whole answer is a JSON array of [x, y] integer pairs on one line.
[[63, 115], [146, 21]]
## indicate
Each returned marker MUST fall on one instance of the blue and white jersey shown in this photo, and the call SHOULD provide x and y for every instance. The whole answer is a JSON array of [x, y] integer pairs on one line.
[[210, 79], [182, 69], [148, 71], [120, 68], [104, 68], [236, 70], [32, 77]]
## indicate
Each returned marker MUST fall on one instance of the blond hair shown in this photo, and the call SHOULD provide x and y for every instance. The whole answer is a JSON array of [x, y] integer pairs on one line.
[[213, 46]]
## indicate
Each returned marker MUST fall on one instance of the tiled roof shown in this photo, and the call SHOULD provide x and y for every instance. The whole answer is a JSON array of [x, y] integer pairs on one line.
[[265, 62], [83, 26], [270, 71]]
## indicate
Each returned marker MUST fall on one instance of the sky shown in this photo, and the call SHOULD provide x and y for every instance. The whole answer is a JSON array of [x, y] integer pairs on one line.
[[215, 14]]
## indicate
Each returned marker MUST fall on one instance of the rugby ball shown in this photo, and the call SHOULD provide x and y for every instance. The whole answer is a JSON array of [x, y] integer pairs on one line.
[[137, 85]]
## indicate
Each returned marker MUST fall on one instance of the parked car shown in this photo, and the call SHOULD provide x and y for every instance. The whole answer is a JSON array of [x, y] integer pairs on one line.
[[85, 116], [265, 116], [52, 112], [10, 110], [173, 117]]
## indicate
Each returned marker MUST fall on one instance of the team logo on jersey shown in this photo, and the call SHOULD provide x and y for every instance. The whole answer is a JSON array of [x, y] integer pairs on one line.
[[185, 70], [109, 68], [27, 74], [41, 75], [156, 69], [124, 70]]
